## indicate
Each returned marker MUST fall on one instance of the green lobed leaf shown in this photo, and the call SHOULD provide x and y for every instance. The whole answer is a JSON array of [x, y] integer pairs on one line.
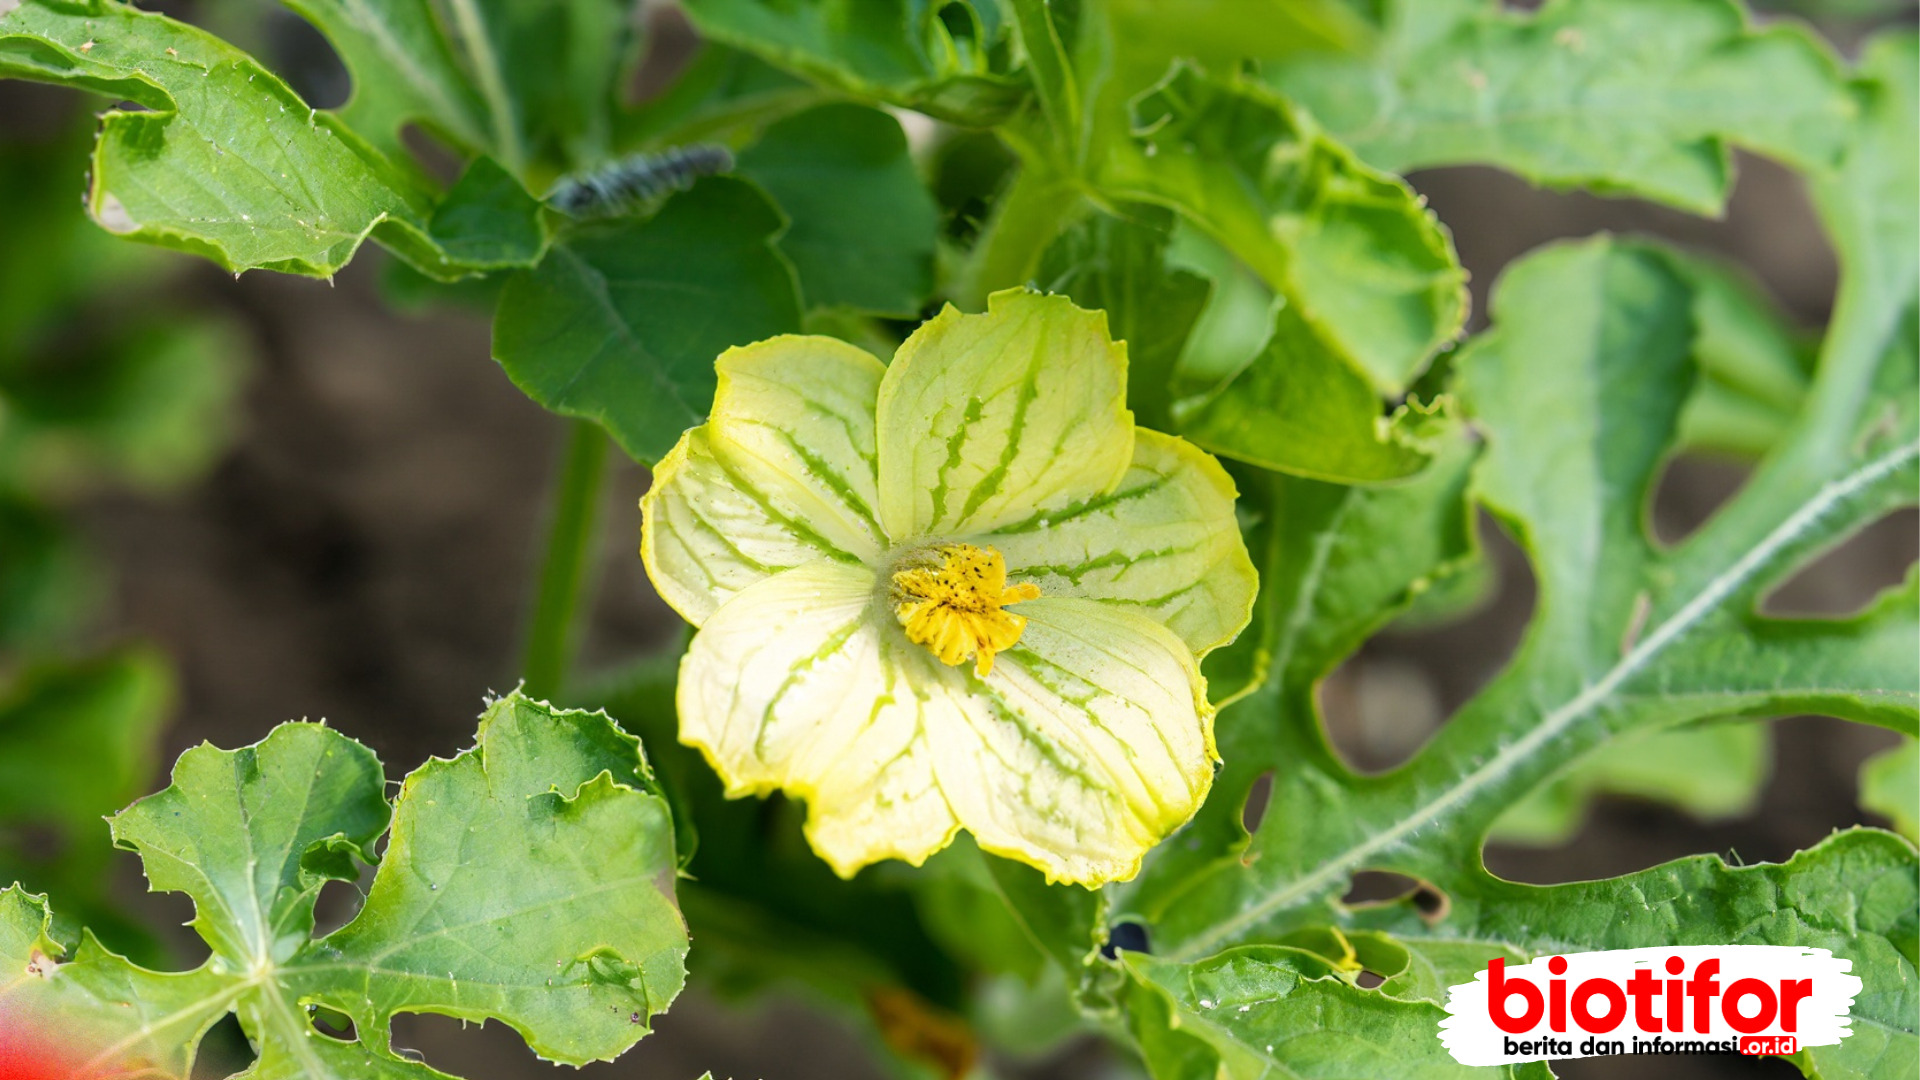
[[862, 225], [1890, 787], [1367, 278], [528, 880], [950, 60], [405, 69], [1627, 638], [1337, 277], [1636, 97], [620, 323], [1751, 381], [222, 158], [1743, 353]]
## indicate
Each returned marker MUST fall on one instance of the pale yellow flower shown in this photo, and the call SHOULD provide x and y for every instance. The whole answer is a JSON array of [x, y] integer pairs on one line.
[[960, 591]]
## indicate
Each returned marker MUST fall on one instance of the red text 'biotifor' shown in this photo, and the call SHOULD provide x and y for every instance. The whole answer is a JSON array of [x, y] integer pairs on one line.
[[1765, 999]]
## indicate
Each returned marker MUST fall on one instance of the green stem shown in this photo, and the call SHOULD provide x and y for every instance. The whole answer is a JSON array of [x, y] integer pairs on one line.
[[1036, 208], [563, 572]]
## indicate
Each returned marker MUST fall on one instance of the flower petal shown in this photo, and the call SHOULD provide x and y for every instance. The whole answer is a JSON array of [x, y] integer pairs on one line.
[[795, 416], [797, 684], [1165, 542], [1088, 744], [705, 536], [986, 419], [738, 499]]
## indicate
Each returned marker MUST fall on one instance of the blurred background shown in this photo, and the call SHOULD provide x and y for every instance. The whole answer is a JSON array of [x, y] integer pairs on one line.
[[337, 511]]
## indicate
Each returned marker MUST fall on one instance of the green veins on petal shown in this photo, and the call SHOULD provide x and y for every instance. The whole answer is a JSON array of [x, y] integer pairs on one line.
[[778, 525]]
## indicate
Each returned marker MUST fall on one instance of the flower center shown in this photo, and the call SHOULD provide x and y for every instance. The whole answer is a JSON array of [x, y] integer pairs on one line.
[[951, 597]]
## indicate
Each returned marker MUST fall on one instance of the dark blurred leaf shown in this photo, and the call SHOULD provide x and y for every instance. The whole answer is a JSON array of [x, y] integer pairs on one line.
[[409, 290], [48, 585], [966, 171], [621, 323], [1890, 787], [862, 225], [152, 405], [78, 741], [51, 255]]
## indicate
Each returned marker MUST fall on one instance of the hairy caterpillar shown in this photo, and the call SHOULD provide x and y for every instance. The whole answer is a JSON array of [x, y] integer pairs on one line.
[[638, 178]]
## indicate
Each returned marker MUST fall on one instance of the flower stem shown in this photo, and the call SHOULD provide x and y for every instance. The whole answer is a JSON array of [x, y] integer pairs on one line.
[[551, 630]]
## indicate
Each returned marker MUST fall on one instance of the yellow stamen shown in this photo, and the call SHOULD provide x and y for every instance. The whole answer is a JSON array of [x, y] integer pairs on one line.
[[951, 602]]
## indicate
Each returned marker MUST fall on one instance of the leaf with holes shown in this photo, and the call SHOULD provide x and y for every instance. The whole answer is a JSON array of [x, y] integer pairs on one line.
[[218, 156], [1579, 387], [527, 880], [1643, 97], [1627, 637]]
